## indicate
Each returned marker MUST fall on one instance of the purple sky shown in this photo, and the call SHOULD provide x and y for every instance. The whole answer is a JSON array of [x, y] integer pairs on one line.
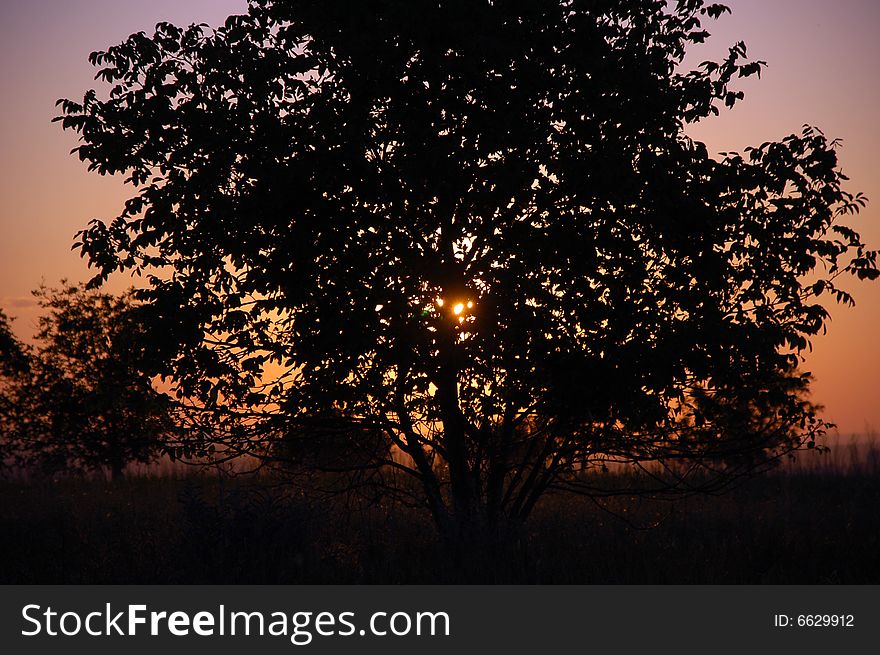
[[822, 54]]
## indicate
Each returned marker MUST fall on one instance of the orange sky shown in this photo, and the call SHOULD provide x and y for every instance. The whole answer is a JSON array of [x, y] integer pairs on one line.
[[822, 57]]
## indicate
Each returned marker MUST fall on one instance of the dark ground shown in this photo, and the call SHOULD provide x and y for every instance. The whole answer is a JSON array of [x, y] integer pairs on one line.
[[814, 525]]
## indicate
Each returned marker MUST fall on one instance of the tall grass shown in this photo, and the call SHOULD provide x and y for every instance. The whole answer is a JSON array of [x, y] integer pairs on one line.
[[813, 520], [852, 454]]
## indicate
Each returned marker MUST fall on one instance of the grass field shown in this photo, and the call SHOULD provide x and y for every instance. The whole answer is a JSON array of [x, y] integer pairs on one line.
[[814, 522]]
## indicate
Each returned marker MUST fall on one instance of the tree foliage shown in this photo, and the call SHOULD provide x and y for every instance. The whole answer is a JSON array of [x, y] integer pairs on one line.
[[85, 399], [13, 353], [478, 229], [14, 363]]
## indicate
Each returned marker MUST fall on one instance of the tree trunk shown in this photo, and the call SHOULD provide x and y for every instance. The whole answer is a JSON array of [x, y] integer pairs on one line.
[[117, 471]]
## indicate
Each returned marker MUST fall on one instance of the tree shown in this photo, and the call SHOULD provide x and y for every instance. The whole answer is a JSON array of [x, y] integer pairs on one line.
[[478, 229], [14, 363], [13, 354], [87, 400]]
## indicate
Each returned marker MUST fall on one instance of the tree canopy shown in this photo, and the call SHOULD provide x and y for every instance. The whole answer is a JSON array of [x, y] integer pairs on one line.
[[477, 229]]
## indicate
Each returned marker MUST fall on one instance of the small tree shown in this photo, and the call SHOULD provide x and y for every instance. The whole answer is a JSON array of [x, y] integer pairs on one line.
[[478, 229], [14, 364], [13, 353], [87, 401]]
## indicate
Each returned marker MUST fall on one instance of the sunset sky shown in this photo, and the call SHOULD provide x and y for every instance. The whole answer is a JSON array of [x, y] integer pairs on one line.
[[822, 54]]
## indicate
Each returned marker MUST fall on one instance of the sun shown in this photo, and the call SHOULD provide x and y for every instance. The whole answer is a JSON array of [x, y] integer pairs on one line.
[[460, 309]]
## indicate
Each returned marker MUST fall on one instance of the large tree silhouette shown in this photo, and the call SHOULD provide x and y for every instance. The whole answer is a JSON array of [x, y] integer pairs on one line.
[[477, 230]]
